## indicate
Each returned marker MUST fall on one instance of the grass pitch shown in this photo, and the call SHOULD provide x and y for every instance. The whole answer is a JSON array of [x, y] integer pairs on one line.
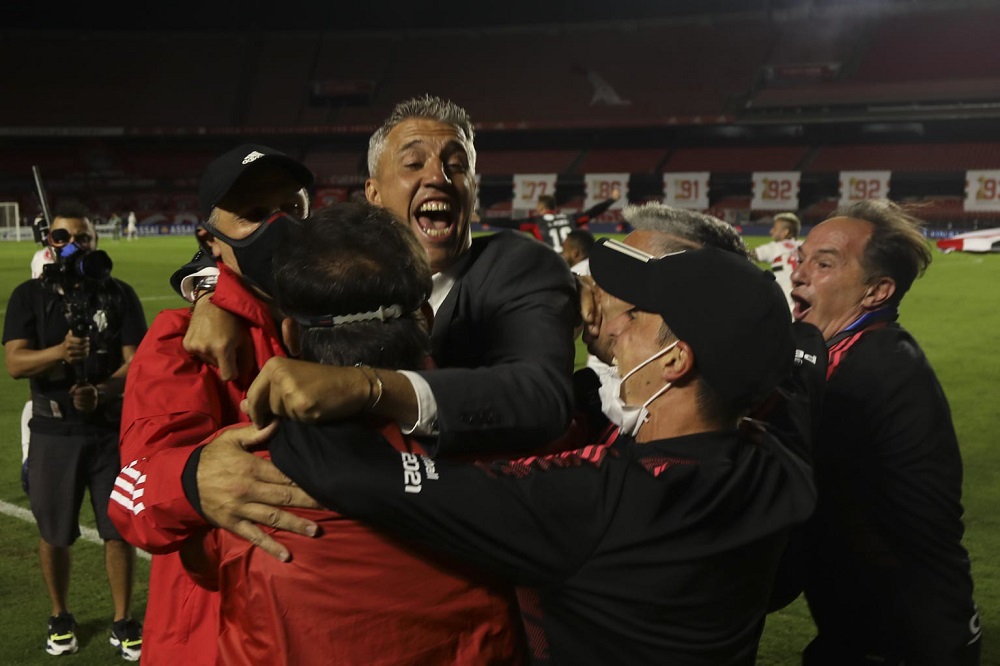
[[954, 312]]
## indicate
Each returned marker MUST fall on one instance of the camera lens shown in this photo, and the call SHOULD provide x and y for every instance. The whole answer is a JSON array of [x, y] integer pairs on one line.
[[59, 237], [94, 265]]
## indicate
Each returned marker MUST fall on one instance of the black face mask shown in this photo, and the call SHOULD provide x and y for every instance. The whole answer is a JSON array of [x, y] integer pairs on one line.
[[255, 252]]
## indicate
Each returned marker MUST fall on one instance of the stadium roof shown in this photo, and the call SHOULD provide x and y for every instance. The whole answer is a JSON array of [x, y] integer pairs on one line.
[[384, 15]]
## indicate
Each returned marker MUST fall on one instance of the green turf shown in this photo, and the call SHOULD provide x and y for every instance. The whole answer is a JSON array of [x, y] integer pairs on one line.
[[954, 311]]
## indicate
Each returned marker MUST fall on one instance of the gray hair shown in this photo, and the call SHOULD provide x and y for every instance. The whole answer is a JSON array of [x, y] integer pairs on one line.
[[697, 229], [430, 107]]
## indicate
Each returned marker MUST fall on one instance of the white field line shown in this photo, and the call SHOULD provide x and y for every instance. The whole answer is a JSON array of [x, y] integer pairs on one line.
[[86, 533]]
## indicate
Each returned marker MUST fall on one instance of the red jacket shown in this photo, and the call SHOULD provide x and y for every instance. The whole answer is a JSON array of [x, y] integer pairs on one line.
[[353, 595], [173, 402], [381, 602]]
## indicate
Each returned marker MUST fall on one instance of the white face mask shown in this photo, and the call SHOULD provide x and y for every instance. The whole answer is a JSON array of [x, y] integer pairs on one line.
[[629, 418]]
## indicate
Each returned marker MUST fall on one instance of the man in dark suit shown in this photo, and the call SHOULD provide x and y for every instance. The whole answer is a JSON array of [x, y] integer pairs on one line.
[[505, 308]]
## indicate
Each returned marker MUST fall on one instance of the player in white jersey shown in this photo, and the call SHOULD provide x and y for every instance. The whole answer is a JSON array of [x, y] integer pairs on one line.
[[782, 251]]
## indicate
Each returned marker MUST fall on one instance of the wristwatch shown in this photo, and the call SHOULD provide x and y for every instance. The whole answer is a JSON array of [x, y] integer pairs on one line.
[[203, 285]]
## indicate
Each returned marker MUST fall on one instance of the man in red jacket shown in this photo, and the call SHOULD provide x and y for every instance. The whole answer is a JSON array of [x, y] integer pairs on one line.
[[173, 401], [353, 283]]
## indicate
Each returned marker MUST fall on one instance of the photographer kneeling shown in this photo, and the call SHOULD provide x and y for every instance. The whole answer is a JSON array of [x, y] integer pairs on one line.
[[73, 333]]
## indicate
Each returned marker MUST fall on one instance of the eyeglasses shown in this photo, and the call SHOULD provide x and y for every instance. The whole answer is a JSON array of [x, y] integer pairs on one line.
[[60, 237]]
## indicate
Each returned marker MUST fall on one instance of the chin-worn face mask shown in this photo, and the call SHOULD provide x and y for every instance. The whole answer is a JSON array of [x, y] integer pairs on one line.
[[256, 252], [630, 418]]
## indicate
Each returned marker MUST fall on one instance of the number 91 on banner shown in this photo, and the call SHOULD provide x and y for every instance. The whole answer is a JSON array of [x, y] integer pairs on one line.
[[775, 190], [686, 189]]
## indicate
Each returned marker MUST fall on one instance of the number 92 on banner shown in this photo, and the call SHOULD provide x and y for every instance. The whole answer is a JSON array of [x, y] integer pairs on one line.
[[775, 190], [862, 185]]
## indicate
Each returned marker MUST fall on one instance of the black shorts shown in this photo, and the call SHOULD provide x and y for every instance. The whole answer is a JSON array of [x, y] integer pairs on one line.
[[60, 467]]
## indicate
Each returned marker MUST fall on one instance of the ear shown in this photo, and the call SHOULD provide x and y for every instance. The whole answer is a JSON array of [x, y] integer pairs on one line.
[[878, 293], [207, 240], [371, 192], [678, 363], [290, 334]]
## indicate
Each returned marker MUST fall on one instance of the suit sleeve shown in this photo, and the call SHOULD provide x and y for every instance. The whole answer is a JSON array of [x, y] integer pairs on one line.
[[516, 393], [167, 414], [531, 523]]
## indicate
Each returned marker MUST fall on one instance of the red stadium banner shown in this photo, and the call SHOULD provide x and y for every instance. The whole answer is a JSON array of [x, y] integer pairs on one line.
[[775, 190], [687, 189], [862, 185], [982, 190]]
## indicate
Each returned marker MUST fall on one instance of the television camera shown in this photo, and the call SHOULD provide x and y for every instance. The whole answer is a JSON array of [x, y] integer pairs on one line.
[[77, 272]]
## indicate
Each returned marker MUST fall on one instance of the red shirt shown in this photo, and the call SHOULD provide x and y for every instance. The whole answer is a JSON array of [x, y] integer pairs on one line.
[[173, 403], [349, 596], [356, 596]]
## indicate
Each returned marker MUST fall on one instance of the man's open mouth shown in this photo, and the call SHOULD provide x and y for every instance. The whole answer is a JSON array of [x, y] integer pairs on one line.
[[801, 307], [434, 219]]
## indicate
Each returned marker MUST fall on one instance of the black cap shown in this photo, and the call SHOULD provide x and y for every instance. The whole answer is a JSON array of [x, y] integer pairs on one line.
[[227, 169], [732, 314]]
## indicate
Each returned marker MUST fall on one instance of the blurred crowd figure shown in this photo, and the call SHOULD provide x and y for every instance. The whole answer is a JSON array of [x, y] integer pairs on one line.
[[782, 252], [131, 228]]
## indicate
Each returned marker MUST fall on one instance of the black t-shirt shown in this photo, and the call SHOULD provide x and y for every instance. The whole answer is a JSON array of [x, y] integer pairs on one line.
[[38, 313], [554, 228], [641, 553], [889, 573]]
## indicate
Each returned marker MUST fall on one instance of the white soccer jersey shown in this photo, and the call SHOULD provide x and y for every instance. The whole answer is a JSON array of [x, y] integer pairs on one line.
[[783, 256]]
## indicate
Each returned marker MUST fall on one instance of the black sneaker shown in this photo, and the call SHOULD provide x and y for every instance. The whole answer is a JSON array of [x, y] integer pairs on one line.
[[62, 634], [126, 635]]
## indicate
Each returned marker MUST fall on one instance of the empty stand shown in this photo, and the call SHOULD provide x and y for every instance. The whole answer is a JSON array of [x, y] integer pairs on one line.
[[932, 57], [832, 40], [933, 46], [930, 157], [279, 93], [629, 161], [334, 164], [502, 162], [736, 159]]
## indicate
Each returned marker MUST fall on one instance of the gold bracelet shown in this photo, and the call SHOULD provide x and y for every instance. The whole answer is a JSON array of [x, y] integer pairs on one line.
[[374, 387]]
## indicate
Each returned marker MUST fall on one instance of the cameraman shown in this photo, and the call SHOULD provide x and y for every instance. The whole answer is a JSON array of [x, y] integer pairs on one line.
[[73, 333]]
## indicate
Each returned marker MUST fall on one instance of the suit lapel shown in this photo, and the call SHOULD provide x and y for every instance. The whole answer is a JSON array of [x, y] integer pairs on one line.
[[449, 309]]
